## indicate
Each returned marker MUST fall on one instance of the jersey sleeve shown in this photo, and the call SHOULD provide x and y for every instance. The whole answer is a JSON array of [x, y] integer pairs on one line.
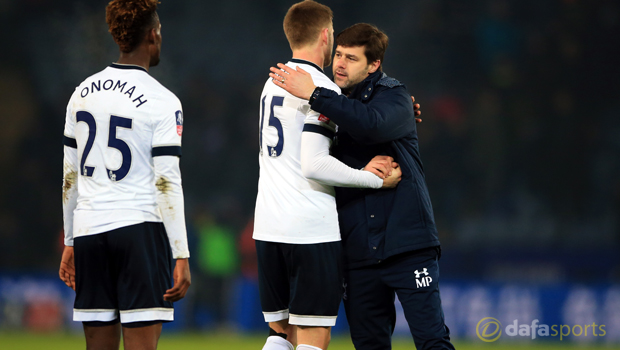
[[167, 142], [316, 122], [69, 178], [168, 132], [320, 124], [171, 204]]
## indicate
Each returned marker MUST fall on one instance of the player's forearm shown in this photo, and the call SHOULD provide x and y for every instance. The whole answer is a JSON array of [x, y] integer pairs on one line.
[[318, 165], [69, 192], [170, 203]]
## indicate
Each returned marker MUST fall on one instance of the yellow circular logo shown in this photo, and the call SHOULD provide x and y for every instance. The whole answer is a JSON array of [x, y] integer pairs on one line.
[[489, 329]]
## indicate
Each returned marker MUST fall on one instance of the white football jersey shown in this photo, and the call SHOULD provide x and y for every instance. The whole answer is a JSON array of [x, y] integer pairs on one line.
[[289, 207], [118, 119]]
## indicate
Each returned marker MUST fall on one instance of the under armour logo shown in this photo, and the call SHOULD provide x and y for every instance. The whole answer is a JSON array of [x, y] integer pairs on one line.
[[344, 292], [417, 274], [425, 281]]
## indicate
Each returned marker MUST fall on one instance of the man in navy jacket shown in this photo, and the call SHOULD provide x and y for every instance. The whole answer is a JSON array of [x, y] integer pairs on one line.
[[389, 236]]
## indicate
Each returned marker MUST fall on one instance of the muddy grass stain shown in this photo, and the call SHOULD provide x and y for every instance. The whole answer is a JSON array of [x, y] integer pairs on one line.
[[163, 185], [68, 183]]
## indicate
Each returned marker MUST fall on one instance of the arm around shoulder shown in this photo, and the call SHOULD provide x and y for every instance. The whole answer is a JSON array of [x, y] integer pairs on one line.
[[388, 115]]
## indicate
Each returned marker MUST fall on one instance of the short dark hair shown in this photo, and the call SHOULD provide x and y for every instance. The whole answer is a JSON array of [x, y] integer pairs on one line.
[[129, 20], [304, 21], [374, 41]]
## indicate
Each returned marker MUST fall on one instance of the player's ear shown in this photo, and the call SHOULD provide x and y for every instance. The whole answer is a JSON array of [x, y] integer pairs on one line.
[[374, 66], [325, 35], [151, 36]]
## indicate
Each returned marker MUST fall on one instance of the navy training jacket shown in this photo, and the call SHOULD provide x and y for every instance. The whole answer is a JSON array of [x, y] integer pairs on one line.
[[378, 119]]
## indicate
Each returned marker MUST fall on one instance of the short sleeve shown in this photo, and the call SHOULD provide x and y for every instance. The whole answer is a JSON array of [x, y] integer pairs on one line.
[[318, 123], [168, 133]]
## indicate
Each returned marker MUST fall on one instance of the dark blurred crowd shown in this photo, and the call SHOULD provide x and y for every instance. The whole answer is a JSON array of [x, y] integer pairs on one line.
[[522, 148], [520, 138]]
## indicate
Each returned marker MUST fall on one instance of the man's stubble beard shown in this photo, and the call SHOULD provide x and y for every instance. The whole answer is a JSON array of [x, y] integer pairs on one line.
[[350, 86]]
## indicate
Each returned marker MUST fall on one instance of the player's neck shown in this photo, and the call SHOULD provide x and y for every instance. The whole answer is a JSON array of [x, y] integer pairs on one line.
[[136, 57], [310, 54]]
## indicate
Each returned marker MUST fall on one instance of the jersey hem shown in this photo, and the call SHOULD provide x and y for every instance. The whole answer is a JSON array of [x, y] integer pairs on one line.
[[92, 222]]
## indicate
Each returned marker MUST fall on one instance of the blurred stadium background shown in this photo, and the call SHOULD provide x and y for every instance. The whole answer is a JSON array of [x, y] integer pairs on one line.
[[520, 139]]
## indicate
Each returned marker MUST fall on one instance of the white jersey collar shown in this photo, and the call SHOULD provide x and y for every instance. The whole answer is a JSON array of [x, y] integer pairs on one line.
[[128, 66], [297, 60]]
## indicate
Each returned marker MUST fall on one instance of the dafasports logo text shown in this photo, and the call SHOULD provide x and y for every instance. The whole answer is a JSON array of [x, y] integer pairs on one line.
[[489, 329]]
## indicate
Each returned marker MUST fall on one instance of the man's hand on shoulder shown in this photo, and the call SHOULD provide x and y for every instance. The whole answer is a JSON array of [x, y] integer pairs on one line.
[[182, 280], [296, 82]]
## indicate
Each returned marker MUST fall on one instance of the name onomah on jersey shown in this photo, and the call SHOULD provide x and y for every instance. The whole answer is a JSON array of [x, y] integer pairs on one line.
[[109, 84]]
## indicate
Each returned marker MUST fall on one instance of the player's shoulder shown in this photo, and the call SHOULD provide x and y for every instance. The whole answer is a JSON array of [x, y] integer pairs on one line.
[[323, 81], [166, 103], [271, 89], [83, 87], [155, 87], [169, 98], [140, 76], [328, 84], [318, 75]]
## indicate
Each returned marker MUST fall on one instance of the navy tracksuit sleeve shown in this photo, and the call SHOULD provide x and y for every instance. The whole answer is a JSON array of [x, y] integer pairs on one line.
[[387, 116]]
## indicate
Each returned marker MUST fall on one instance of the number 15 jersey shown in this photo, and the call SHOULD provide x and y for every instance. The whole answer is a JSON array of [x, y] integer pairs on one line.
[[118, 119], [289, 207]]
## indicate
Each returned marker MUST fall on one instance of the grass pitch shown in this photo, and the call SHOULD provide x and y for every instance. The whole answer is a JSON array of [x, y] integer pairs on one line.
[[235, 341]]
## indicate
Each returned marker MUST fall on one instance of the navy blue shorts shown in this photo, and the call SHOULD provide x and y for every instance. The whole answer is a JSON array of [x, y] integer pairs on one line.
[[123, 272], [300, 282], [369, 301]]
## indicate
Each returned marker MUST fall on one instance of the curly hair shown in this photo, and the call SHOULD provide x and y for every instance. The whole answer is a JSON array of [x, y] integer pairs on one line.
[[128, 21]]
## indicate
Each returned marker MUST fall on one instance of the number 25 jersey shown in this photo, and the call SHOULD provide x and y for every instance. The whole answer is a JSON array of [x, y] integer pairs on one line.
[[118, 119]]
